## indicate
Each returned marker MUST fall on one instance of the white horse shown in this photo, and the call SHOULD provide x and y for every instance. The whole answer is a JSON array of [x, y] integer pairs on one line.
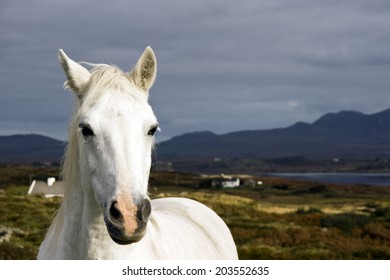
[[106, 212]]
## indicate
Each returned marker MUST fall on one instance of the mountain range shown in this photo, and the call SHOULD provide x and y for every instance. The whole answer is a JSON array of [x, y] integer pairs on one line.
[[346, 134], [30, 148]]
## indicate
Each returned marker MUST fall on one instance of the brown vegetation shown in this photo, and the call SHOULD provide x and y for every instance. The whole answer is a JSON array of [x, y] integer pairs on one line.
[[282, 219]]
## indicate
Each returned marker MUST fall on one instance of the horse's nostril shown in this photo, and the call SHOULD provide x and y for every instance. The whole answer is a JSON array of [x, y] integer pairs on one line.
[[115, 211], [146, 209]]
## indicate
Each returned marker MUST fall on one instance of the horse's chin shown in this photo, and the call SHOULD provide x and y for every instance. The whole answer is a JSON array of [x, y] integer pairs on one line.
[[119, 235], [126, 240]]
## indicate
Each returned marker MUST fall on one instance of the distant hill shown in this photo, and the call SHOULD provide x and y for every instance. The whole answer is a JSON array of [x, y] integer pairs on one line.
[[346, 134], [30, 148]]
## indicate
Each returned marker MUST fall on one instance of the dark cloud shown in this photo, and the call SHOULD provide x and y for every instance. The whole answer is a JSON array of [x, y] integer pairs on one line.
[[223, 65]]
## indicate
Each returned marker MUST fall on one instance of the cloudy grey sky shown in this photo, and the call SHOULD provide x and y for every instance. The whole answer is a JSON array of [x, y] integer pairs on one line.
[[224, 65]]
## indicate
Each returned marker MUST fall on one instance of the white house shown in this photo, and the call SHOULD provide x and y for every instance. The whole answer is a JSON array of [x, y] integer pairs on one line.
[[230, 183], [225, 182], [50, 188]]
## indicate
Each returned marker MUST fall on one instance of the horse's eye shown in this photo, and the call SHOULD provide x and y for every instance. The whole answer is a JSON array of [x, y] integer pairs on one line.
[[85, 130], [153, 130]]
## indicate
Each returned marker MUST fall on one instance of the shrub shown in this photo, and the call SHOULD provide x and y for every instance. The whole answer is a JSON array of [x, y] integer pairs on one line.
[[318, 189], [376, 231], [13, 251], [311, 210], [381, 212], [256, 253], [282, 187], [345, 222], [373, 253]]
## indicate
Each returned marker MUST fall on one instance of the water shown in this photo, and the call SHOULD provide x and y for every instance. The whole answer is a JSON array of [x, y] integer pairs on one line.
[[369, 179]]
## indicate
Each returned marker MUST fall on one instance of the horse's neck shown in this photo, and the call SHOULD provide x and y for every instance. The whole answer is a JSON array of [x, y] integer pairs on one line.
[[82, 227]]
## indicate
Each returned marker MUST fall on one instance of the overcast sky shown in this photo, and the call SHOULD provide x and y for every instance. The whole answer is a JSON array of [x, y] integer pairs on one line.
[[223, 65]]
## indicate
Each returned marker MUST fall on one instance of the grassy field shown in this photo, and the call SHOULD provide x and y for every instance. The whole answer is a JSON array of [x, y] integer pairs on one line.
[[283, 219]]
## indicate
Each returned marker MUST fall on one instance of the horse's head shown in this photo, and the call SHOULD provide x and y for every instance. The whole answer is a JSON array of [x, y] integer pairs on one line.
[[114, 127]]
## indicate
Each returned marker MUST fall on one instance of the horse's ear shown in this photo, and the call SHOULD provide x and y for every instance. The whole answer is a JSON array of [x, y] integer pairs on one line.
[[144, 72], [77, 76]]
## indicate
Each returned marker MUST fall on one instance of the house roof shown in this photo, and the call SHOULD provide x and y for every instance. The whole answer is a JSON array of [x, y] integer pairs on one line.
[[42, 188]]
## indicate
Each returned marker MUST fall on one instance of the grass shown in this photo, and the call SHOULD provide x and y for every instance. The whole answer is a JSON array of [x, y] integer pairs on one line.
[[299, 223], [288, 220], [28, 218]]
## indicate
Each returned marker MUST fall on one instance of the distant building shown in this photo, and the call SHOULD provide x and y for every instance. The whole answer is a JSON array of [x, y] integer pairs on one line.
[[225, 183], [50, 188], [250, 183], [231, 183]]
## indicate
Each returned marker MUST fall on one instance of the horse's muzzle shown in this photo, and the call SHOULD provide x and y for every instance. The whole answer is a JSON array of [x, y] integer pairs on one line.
[[126, 223]]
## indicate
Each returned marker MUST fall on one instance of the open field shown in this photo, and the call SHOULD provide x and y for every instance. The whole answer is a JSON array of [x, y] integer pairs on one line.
[[283, 219]]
